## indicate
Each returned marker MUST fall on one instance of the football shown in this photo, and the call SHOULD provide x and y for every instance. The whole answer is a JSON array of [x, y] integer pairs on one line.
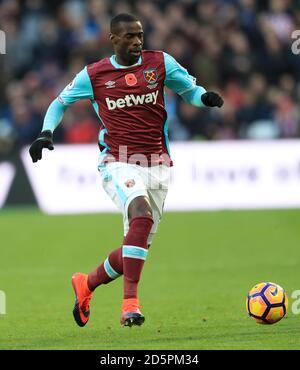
[[267, 303]]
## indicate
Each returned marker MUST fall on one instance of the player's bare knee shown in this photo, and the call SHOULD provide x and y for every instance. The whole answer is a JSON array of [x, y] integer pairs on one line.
[[139, 207]]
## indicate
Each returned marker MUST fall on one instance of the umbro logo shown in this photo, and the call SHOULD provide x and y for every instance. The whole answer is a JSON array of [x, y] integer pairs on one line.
[[110, 84]]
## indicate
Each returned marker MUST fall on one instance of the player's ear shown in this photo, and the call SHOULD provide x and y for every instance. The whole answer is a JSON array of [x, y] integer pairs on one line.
[[112, 37]]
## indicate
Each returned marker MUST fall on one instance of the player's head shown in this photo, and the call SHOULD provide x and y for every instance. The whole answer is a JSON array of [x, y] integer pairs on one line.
[[127, 37]]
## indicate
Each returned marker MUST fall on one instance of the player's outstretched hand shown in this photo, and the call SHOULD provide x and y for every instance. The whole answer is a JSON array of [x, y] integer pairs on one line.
[[44, 140], [212, 99]]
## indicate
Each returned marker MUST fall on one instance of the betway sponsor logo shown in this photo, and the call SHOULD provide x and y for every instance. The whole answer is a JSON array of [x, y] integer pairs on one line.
[[130, 100]]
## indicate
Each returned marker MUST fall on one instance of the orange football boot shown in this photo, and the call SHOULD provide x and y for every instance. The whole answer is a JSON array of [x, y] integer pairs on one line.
[[131, 314], [81, 311]]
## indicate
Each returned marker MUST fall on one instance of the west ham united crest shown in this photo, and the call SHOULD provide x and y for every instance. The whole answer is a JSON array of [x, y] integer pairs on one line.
[[151, 76], [130, 183]]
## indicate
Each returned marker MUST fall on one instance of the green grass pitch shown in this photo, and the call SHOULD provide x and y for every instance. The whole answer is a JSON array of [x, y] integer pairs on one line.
[[193, 289]]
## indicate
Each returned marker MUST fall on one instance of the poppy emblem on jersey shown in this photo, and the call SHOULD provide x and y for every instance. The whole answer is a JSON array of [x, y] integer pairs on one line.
[[130, 183], [130, 79], [150, 75]]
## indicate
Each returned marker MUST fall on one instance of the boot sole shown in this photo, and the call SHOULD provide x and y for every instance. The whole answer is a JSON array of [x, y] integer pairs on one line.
[[135, 319], [76, 313]]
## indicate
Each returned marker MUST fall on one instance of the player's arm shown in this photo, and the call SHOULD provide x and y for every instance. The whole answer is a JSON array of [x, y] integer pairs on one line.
[[180, 81], [80, 88]]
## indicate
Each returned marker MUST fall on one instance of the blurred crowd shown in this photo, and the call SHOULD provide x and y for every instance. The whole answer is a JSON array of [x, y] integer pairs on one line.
[[241, 48]]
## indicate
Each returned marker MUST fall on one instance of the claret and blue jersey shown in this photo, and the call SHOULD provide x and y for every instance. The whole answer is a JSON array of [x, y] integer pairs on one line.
[[129, 102]]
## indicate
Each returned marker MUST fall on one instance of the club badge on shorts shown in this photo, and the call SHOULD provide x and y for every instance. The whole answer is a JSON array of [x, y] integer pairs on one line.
[[130, 79], [130, 183]]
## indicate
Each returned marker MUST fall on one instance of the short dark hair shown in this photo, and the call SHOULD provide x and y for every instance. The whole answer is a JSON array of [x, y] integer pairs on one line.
[[123, 17]]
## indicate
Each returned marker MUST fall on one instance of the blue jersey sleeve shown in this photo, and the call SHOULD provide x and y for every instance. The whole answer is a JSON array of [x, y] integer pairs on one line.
[[54, 115], [180, 81], [80, 88]]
